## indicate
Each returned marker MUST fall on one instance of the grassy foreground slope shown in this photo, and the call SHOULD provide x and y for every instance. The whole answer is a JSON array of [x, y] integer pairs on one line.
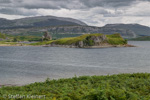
[[115, 87]]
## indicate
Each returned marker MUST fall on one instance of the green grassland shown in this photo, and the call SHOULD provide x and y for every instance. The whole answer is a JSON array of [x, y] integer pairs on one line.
[[41, 43], [116, 39], [110, 87]]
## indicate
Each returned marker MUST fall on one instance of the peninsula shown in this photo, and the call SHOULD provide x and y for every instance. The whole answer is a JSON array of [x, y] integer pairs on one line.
[[97, 40]]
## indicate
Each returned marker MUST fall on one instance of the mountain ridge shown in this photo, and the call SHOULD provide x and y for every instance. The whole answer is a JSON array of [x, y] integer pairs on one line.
[[36, 21], [140, 30], [63, 25]]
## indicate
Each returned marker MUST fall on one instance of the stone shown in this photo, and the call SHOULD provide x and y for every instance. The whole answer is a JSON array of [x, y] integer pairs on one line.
[[80, 44], [46, 36], [98, 39]]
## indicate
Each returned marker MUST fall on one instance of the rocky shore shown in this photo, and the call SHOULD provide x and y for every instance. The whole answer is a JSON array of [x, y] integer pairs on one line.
[[100, 46]]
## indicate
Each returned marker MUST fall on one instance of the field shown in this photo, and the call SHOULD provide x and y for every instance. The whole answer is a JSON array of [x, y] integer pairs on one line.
[[111, 87]]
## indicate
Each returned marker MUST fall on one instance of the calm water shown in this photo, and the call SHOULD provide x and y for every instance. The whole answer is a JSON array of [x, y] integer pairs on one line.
[[23, 65]]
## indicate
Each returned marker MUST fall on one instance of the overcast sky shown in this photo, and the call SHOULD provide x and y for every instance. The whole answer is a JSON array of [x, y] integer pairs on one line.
[[92, 12]]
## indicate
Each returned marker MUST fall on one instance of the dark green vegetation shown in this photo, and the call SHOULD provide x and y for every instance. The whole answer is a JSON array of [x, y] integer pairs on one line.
[[115, 87], [143, 38]]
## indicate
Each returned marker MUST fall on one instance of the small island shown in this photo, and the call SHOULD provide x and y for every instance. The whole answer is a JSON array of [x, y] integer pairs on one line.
[[87, 41]]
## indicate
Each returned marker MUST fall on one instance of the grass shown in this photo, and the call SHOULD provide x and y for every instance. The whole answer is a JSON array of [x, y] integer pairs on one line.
[[114, 39], [41, 43], [111, 87]]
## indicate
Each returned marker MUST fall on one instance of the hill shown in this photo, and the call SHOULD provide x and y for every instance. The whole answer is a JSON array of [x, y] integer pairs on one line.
[[139, 30], [39, 21], [62, 31], [61, 27]]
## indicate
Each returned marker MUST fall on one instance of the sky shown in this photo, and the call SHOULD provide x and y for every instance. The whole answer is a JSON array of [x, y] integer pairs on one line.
[[92, 12]]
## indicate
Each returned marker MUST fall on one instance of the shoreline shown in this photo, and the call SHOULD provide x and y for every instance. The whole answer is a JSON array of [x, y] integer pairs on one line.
[[100, 46], [19, 85], [69, 46]]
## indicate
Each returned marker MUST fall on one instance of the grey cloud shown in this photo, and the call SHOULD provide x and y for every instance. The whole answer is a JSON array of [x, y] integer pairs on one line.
[[107, 3], [5, 1], [47, 4], [16, 11], [68, 4], [91, 11]]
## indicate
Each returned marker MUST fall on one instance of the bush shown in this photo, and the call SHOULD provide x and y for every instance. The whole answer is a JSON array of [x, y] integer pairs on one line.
[[88, 41], [115, 87], [15, 40]]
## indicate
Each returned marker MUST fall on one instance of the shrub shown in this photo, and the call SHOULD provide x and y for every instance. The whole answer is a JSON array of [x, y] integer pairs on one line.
[[115, 87]]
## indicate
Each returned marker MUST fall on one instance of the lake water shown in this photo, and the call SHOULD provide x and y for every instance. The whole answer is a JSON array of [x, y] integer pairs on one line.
[[23, 65]]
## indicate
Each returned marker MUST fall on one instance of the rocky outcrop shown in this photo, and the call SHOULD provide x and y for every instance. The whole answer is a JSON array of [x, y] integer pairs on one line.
[[91, 41], [98, 39], [80, 44]]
